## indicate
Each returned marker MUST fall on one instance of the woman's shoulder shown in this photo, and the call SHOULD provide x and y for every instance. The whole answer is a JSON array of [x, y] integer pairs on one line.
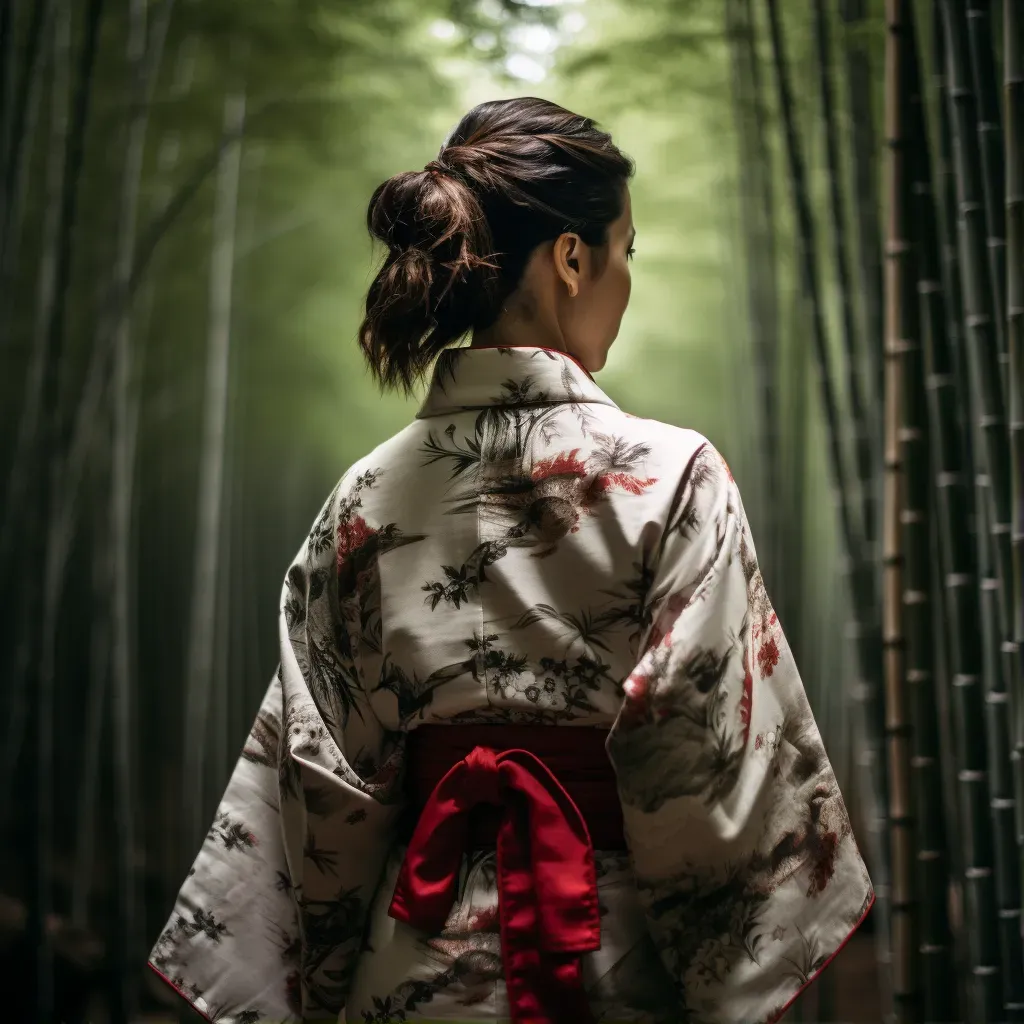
[[674, 447]]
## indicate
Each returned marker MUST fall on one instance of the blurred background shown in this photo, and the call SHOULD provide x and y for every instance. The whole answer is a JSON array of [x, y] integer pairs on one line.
[[828, 284]]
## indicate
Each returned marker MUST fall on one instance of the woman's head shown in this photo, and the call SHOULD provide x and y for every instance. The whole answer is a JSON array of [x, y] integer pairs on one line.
[[522, 224]]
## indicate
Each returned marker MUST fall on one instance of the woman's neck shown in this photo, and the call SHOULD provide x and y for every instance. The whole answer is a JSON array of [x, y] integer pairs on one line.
[[519, 331]]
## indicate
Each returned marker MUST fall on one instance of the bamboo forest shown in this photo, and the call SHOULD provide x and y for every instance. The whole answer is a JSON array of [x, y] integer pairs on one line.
[[829, 284]]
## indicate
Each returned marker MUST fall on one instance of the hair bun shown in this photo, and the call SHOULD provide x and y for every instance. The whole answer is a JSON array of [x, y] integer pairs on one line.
[[459, 233], [438, 276]]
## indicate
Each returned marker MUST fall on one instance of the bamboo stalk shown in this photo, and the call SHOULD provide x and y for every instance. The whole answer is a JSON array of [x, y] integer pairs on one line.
[[95, 717], [199, 659], [48, 547], [144, 57], [946, 221], [741, 99], [246, 662], [757, 206], [13, 142], [993, 511], [900, 304], [990, 143], [16, 180], [935, 942], [1013, 70], [862, 433], [8, 56], [869, 327], [867, 224]]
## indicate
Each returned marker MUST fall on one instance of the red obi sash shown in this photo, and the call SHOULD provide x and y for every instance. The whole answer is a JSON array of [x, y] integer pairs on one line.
[[547, 889]]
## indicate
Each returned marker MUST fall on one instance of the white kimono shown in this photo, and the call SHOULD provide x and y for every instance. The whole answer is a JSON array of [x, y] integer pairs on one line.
[[525, 552]]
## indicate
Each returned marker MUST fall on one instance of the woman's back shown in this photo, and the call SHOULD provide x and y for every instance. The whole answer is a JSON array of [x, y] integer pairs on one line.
[[496, 554], [399, 841]]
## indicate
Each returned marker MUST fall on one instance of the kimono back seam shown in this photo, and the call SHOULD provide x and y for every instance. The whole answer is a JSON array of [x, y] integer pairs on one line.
[[525, 552]]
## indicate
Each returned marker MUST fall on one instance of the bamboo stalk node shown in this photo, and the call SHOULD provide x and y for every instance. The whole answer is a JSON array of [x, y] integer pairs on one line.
[[959, 579], [976, 320], [975, 873], [963, 679]]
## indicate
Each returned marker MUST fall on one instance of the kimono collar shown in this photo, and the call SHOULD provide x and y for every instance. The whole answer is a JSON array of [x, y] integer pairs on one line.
[[477, 378]]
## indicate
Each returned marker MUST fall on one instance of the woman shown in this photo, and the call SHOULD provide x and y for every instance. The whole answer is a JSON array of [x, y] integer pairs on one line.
[[527, 627]]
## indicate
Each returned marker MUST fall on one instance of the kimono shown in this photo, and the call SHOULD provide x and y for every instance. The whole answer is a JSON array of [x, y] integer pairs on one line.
[[525, 552]]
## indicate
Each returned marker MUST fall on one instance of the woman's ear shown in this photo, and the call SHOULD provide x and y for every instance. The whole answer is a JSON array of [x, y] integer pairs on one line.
[[569, 254]]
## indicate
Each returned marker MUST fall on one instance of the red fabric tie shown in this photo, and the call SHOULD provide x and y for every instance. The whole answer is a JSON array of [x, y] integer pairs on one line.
[[547, 886]]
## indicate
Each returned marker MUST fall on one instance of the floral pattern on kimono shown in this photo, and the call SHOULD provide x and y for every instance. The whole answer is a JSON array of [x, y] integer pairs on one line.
[[525, 552]]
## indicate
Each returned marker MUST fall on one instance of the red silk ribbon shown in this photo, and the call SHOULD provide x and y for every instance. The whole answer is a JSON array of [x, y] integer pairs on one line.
[[547, 886]]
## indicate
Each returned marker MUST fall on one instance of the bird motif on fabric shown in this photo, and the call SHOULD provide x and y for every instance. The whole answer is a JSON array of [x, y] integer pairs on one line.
[[537, 505]]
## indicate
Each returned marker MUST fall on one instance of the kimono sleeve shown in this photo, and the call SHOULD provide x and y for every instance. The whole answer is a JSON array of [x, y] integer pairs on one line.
[[269, 922], [745, 862]]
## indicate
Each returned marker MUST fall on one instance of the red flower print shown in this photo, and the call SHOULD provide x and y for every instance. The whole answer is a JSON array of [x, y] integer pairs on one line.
[[634, 707], [626, 481], [563, 464], [658, 638], [352, 535], [728, 471], [768, 656], [483, 920], [635, 687]]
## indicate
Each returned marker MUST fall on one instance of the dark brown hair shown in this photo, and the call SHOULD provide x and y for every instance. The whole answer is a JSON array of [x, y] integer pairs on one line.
[[459, 233]]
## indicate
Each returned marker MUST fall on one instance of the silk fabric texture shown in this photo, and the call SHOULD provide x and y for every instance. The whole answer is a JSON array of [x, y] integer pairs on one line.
[[525, 552]]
